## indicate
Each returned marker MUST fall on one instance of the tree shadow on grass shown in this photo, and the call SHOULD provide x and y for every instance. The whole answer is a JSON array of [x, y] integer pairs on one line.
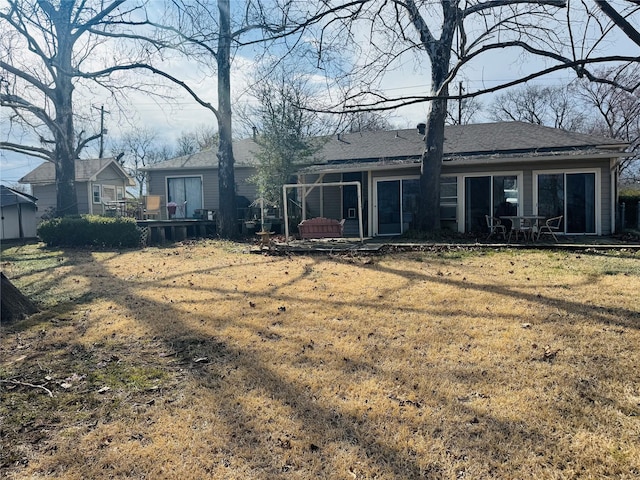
[[607, 315], [326, 422], [229, 369]]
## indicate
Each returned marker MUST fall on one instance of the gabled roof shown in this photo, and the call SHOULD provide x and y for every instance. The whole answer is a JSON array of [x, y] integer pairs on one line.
[[87, 170], [388, 146], [244, 155], [9, 196]]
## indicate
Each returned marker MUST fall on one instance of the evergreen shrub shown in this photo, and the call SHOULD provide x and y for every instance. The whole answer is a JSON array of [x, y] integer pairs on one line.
[[90, 231]]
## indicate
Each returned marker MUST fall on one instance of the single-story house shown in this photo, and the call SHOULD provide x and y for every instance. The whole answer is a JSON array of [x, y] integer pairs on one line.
[[194, 179], [98, 181], [18, 212], [535, 169]]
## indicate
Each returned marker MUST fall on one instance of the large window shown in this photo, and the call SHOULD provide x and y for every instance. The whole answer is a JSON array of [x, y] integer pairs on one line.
[[448, 199], [108, 193]]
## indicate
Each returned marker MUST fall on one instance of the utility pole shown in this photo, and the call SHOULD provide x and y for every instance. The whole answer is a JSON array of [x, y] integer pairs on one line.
[[102, 130], [460, 90]]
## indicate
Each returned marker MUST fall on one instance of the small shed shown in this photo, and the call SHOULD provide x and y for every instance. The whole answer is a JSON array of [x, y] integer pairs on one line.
[[18, 212]]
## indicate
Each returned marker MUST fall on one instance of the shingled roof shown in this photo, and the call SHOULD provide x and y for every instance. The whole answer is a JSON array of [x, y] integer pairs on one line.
[[86, 170], [478, 140], [244, 155], [460, 140], [9, 196]]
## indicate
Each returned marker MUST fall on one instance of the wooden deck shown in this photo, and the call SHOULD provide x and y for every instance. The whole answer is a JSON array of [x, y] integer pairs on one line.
[[175, 230]]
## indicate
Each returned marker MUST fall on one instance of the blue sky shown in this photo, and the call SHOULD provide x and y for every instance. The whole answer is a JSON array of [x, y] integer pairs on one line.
[[184, 114]]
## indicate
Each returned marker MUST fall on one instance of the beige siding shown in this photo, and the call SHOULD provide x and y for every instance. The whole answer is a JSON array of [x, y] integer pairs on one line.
[[157, 184], [13, 217], [83, 197]]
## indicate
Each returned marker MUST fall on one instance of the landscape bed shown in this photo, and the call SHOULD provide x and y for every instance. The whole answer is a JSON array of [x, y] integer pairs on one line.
[[199, 360]]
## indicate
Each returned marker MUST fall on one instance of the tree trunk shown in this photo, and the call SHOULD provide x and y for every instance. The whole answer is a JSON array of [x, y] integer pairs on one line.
[[226, 177], [431, 167], [439, 51], [14, 305], [65, 155]]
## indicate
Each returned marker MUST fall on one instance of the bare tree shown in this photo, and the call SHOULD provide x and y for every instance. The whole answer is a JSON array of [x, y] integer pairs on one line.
[[202, 138], [51, 51], [364, 122], [213, 37], [551, 106], [620, 16], [462, 111], [137, 149], [616, 112], [449, 35]]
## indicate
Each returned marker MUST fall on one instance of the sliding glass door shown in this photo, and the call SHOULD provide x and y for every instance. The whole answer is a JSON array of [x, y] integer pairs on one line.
[[489, 195], [572, 195], [185, 189], [397, 203]]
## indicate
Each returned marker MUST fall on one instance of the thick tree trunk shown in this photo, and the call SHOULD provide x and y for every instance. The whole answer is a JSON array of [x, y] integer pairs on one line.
[[431, 167], [65, 155], [226, 177], [14, 305], [439, 55]]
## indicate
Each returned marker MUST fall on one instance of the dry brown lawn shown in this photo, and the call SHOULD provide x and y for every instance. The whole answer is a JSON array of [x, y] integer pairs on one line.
[[202, 361]]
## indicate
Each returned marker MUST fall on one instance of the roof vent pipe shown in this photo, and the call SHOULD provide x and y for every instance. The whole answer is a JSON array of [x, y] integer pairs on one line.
[[422, 128], [255, 132]]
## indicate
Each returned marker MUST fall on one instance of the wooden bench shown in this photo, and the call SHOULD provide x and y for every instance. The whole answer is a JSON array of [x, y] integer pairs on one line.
[[321, 227]]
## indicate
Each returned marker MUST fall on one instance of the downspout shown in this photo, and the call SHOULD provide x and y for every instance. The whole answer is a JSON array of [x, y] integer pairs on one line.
[[614, 172], [20, 230], [90, 199]]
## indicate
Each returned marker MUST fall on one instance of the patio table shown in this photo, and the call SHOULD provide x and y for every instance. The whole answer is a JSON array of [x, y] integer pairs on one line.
[[525, 224]]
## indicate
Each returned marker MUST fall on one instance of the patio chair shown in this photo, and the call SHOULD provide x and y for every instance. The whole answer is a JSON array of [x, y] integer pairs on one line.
[[550, 226], [495, 226], [151, 206], [522, 225]]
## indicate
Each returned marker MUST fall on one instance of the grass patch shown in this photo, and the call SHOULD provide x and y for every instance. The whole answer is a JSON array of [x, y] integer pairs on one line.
[[201, 361]]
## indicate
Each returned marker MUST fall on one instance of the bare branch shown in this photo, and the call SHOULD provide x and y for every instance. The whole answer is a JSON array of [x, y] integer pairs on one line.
[[38, 152], [156, 71], [619, 20]]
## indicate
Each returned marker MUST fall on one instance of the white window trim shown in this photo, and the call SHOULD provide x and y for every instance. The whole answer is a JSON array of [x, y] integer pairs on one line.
[[375, 199], [95, 186]]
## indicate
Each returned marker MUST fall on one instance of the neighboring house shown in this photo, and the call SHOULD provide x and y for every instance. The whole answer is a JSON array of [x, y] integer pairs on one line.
[[98, 181], [194, 179], [535, 169], [18, 212]]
